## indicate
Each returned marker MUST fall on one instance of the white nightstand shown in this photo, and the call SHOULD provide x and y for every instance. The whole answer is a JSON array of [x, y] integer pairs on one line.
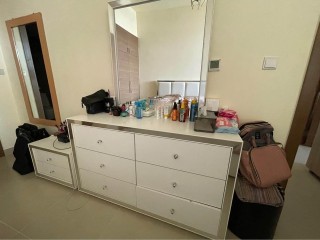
[[53, 160]]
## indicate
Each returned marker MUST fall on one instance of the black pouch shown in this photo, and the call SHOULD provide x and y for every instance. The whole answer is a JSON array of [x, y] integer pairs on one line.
[[96, 102]]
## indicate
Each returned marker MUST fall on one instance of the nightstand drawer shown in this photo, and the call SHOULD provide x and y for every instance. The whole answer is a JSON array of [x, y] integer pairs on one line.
[[108, 141], [54, 171], [195, 215], [109, 187], [200, 158], [111, 166], [51, 158], [182, 184]]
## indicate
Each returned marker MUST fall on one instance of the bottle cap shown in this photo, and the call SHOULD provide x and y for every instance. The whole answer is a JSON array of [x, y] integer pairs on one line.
[[175, 105]]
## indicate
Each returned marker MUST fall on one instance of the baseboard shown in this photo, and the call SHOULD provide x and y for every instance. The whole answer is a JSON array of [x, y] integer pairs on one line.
[[8, 151]]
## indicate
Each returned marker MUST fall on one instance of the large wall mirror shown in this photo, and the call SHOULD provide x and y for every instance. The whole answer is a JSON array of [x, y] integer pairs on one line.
[[162, 40], [31, 56]]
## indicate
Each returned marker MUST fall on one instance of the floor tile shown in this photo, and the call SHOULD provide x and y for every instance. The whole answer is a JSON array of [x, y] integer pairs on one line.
[[78, 216], [7, 232], [129, 224], [22, 200]]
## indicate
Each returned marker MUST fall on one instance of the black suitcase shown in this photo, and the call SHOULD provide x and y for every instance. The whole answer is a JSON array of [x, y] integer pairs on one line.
[[255, 211]]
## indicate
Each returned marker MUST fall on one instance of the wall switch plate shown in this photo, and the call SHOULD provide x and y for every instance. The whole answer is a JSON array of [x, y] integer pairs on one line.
[[212, 104], [270, 63], [1, 71]]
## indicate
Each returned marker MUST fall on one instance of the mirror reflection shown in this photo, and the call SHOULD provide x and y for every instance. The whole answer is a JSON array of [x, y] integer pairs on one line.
[[28, 49], [32, 61], [157, 41]]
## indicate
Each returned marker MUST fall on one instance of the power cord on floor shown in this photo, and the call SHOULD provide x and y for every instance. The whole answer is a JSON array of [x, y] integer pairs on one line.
[[72, 194]]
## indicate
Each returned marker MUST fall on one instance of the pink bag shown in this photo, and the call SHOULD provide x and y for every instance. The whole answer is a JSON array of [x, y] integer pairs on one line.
[[265, 166]]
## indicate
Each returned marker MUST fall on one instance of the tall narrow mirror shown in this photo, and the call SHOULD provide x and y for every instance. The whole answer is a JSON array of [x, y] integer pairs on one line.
[[31, 56]]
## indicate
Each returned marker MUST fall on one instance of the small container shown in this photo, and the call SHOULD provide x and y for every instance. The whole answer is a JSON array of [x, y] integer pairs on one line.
[[174, 115], [161, 111], [182, 113], [166, 111], [158, 111], [178, 110], [193, 110], [139, 113]]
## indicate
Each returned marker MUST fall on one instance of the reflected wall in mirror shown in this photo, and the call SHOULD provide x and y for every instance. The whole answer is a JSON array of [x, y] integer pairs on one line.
[[31, 56], [157, 41]]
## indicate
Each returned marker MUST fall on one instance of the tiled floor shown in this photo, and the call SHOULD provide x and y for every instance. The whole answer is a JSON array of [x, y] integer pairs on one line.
[[31, 207]]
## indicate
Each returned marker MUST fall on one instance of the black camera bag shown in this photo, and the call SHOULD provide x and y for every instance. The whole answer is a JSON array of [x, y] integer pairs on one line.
[[96, 102]]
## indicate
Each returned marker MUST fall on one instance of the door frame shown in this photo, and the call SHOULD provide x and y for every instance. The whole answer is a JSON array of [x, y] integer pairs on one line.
[[306, 100]]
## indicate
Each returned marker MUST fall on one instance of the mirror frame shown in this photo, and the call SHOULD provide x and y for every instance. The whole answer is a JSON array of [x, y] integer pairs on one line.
[[35, 18], [116, 4]]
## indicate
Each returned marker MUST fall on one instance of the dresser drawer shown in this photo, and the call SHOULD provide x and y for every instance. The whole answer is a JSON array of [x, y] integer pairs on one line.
[[182, 184], [109, 187], [112, 142], [108, 165], [198, 216], [51, 158], [200, 158], [54, 171]]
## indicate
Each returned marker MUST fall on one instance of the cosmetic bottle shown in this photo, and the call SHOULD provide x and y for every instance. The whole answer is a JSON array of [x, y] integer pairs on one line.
[[133, 103], [182, 113], [178, 110], [108, 108], [166, 111], [174, 112], [186, 109], [193, 110], [139, 113], [158, 111]]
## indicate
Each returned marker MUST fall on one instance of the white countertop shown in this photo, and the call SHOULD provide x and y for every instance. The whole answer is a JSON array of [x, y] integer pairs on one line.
[[51, 143], [153, 125]]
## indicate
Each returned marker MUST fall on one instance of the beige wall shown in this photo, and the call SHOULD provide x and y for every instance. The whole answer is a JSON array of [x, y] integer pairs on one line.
[[170, 46], [244, 32], [127, 19], [9, 119], [79, 47]]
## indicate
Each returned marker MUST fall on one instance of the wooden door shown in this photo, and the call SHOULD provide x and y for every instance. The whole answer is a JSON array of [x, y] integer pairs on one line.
[[313, 162], [1, 150], [313, 123], [308, 93], [128, 65]]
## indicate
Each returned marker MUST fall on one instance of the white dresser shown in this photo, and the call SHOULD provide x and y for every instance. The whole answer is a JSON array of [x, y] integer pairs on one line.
[[160, 168], [53, 160]]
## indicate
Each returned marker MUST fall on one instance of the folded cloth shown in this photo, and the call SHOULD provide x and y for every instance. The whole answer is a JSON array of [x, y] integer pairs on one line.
[[227, 125]]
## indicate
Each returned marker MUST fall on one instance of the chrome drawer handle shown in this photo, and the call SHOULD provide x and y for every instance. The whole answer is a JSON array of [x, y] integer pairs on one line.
[[102, 165], [52, 171], [176, 156], [105, 187], [172, 211], [174, 184], [99, 141], [49, 159]]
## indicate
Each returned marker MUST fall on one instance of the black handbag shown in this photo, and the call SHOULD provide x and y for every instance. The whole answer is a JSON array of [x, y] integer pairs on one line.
[[96, 102], [26, 134]]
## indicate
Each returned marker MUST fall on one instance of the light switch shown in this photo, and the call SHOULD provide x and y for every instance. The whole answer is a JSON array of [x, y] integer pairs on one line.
[[1, 71], [270, 63]]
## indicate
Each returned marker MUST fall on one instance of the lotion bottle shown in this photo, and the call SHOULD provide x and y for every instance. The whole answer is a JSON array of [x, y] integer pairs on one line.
[[174, 113], [182, 113]]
